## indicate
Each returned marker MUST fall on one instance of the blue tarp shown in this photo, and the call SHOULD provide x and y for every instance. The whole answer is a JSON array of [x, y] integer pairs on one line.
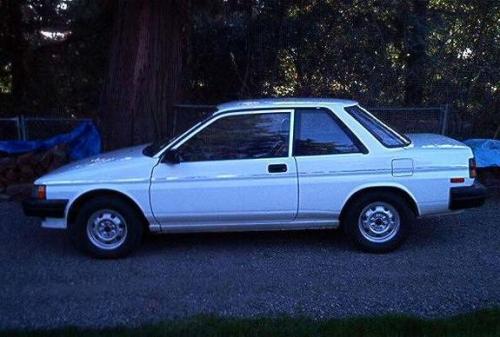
[[83, 141], [486, 151]]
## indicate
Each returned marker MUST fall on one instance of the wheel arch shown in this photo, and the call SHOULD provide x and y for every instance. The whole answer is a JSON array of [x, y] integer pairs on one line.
[[88, 195], [398, 190]]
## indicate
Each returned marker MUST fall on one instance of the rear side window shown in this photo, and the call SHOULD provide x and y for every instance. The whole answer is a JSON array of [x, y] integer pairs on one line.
[[384, 134], [317, 132]]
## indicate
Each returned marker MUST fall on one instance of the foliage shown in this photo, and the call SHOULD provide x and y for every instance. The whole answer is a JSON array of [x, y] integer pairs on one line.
[[394, 52], [57, 50], [353, 49]]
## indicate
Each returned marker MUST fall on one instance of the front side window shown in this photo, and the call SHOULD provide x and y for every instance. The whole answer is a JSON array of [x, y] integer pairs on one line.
[[317, 132], [379, 130], [248, 136]]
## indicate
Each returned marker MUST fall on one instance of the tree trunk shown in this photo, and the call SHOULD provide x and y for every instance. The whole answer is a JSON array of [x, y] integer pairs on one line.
[[17, 45], [416, 57], [144, 76]]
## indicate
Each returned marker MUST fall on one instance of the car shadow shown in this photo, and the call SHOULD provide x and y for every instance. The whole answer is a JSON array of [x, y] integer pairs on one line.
[[426, 232], [423, 233], [332, 239]]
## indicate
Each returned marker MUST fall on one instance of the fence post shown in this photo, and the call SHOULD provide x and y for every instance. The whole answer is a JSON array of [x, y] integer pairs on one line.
[[444, 125], [21, 127], [18, 127]]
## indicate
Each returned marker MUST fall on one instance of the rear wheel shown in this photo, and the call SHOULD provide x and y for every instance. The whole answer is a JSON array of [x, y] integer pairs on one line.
[[106, 227], [378, 222]]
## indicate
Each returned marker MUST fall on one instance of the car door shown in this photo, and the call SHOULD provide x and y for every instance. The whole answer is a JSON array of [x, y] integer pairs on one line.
[[236, 170], [329, 159]]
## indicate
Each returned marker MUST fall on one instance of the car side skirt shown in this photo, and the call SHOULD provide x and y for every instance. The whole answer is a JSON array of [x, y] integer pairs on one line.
[[245, 227]]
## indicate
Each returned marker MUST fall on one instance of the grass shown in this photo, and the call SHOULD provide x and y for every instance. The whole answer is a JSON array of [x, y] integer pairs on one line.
[[476, 324]]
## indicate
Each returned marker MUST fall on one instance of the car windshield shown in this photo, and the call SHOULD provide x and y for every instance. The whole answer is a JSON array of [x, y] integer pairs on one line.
[[384, 134], [156, 146]]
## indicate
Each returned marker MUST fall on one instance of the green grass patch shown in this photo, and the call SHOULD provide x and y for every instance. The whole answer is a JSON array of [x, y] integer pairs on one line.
[[476, 324]]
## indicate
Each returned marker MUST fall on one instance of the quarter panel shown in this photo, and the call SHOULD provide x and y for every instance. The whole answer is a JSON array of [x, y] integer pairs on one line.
[[423, 171], [327, 182]]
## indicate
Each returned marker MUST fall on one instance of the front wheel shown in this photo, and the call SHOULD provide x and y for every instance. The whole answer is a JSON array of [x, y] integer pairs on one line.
[[106, 227], [378, 222]]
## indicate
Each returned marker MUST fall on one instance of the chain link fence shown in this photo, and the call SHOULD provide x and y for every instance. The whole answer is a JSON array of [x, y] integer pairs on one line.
[[403, 119], [415, 120], [31, 128]]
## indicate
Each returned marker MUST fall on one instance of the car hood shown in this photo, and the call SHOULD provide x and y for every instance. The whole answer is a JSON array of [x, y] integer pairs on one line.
[[121, 164]]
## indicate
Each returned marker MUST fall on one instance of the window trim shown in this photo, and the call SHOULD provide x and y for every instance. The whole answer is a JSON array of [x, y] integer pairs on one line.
[[362, 149], [405, 140], [210, 121]]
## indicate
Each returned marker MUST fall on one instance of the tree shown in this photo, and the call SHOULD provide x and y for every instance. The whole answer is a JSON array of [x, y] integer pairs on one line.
[[143, 81], [15, 45], [51, 56], [54, 56], [415, 49]]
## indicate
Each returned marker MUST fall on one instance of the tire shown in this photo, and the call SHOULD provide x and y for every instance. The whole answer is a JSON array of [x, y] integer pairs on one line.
[[106, 227], [378, 222]]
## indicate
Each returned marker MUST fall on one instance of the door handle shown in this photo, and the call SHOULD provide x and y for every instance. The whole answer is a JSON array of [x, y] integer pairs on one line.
[[277, 168]]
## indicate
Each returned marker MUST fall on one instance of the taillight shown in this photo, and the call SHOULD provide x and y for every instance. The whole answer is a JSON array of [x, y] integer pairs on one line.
[[40, 192], [472, 168]]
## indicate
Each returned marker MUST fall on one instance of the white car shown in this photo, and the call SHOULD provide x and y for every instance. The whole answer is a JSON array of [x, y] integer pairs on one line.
[[273, 164]]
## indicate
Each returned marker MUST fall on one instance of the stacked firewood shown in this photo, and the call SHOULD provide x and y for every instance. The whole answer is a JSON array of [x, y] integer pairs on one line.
[[17, 173]]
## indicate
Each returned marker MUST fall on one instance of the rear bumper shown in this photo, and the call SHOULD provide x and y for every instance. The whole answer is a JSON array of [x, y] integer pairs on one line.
[[54, 208], [467, 196]]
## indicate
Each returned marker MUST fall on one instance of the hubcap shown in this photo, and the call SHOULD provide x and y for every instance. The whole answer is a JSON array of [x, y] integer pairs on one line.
[[106, 229], [379, 222]]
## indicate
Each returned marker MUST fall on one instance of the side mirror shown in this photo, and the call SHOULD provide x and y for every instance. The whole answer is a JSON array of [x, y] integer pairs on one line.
[[172, 157]]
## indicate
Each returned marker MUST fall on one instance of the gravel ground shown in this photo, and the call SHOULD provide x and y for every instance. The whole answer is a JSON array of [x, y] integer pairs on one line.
[[449, 265]]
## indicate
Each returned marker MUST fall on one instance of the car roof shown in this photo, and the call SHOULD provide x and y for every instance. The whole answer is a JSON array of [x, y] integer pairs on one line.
[[281, 103]]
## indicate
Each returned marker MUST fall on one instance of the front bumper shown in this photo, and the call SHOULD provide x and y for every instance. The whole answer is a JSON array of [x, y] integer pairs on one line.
[[53, 208], [467, 196]]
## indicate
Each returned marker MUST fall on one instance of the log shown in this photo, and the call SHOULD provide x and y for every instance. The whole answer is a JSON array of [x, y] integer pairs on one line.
[[11, 176], [25, 159], [27, 173], [7, 162], [45, 160], [24, 169], [19, 191]]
